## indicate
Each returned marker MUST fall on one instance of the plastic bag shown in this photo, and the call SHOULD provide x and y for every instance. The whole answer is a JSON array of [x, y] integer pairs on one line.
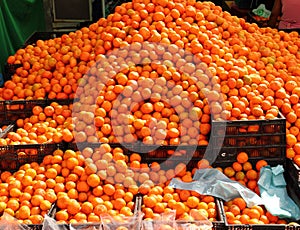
[[50, 224], [215, 183], [195, 225], [166, 221], [86, 226], [272, 187], [121, 223], [8, 222], [262, 11], [200, 222]]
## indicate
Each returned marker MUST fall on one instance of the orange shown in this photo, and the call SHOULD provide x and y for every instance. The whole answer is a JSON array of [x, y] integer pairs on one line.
[[247, 166], [179, 207], [119, 203], [93, 180], [251, 174], [73, 206], [192, 202], [82, 186], [254, 214], [260, 164], [240, 203], [109, 189], [237, 166], [242, 157], [13, 205], [87, 208], [149, 201], [100, 209], [62, 215]]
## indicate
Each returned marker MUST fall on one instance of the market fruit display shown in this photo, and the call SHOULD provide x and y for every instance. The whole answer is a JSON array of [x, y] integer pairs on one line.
[[52, 124], [85, 184], [254, 70], [154, 71]]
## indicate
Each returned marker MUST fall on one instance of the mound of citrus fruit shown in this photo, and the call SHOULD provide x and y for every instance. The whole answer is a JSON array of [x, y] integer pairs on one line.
[[155, 71], [210, 63]]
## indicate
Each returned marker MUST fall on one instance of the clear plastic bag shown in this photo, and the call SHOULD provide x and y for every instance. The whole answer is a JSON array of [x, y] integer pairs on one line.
[[214, 183], [200, 222], [121, 223], [87, 226], [51, 224], [166, 221], [8, 222]]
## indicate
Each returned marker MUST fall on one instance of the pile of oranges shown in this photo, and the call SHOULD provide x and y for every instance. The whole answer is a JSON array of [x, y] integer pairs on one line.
[[154, 71], [210, 61], [71, 182], [236, 212], [85, 184], [52, 124]]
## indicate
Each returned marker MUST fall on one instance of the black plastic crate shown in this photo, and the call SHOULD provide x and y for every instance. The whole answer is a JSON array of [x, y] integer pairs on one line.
[[254, 226], [177, 154], [239, 133], [294, 170], [15, 109], [13, 156], [42, 35], [111, 5], [240, 140], [92, 225], [217, 225], [293, 178], [255, 152], [2, 111], [11, 110], [293, 193], [9, 70], [40, 226], [293, 188]]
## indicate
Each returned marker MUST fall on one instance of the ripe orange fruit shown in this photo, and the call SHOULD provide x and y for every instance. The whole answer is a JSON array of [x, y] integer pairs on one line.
[[240, 202], [251, 174], [260, 164], [109, 189], [242, 157]]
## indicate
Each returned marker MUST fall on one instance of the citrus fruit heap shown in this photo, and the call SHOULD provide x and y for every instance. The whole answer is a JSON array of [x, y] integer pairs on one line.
[[155, 71], [52, 124], [244, 72]]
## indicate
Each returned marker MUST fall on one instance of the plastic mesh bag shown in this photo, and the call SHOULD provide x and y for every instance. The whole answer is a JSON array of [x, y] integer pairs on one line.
[[8, 222], [121, 223]]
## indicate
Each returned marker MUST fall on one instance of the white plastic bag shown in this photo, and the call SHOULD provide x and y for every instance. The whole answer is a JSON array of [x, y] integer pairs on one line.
[[166, 221], [86, 226], [51, 224], [200, 222], [8, 222], [123, 223]]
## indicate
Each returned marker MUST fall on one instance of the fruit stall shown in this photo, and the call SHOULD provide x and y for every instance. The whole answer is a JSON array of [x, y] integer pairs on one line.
[[165, 114]]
